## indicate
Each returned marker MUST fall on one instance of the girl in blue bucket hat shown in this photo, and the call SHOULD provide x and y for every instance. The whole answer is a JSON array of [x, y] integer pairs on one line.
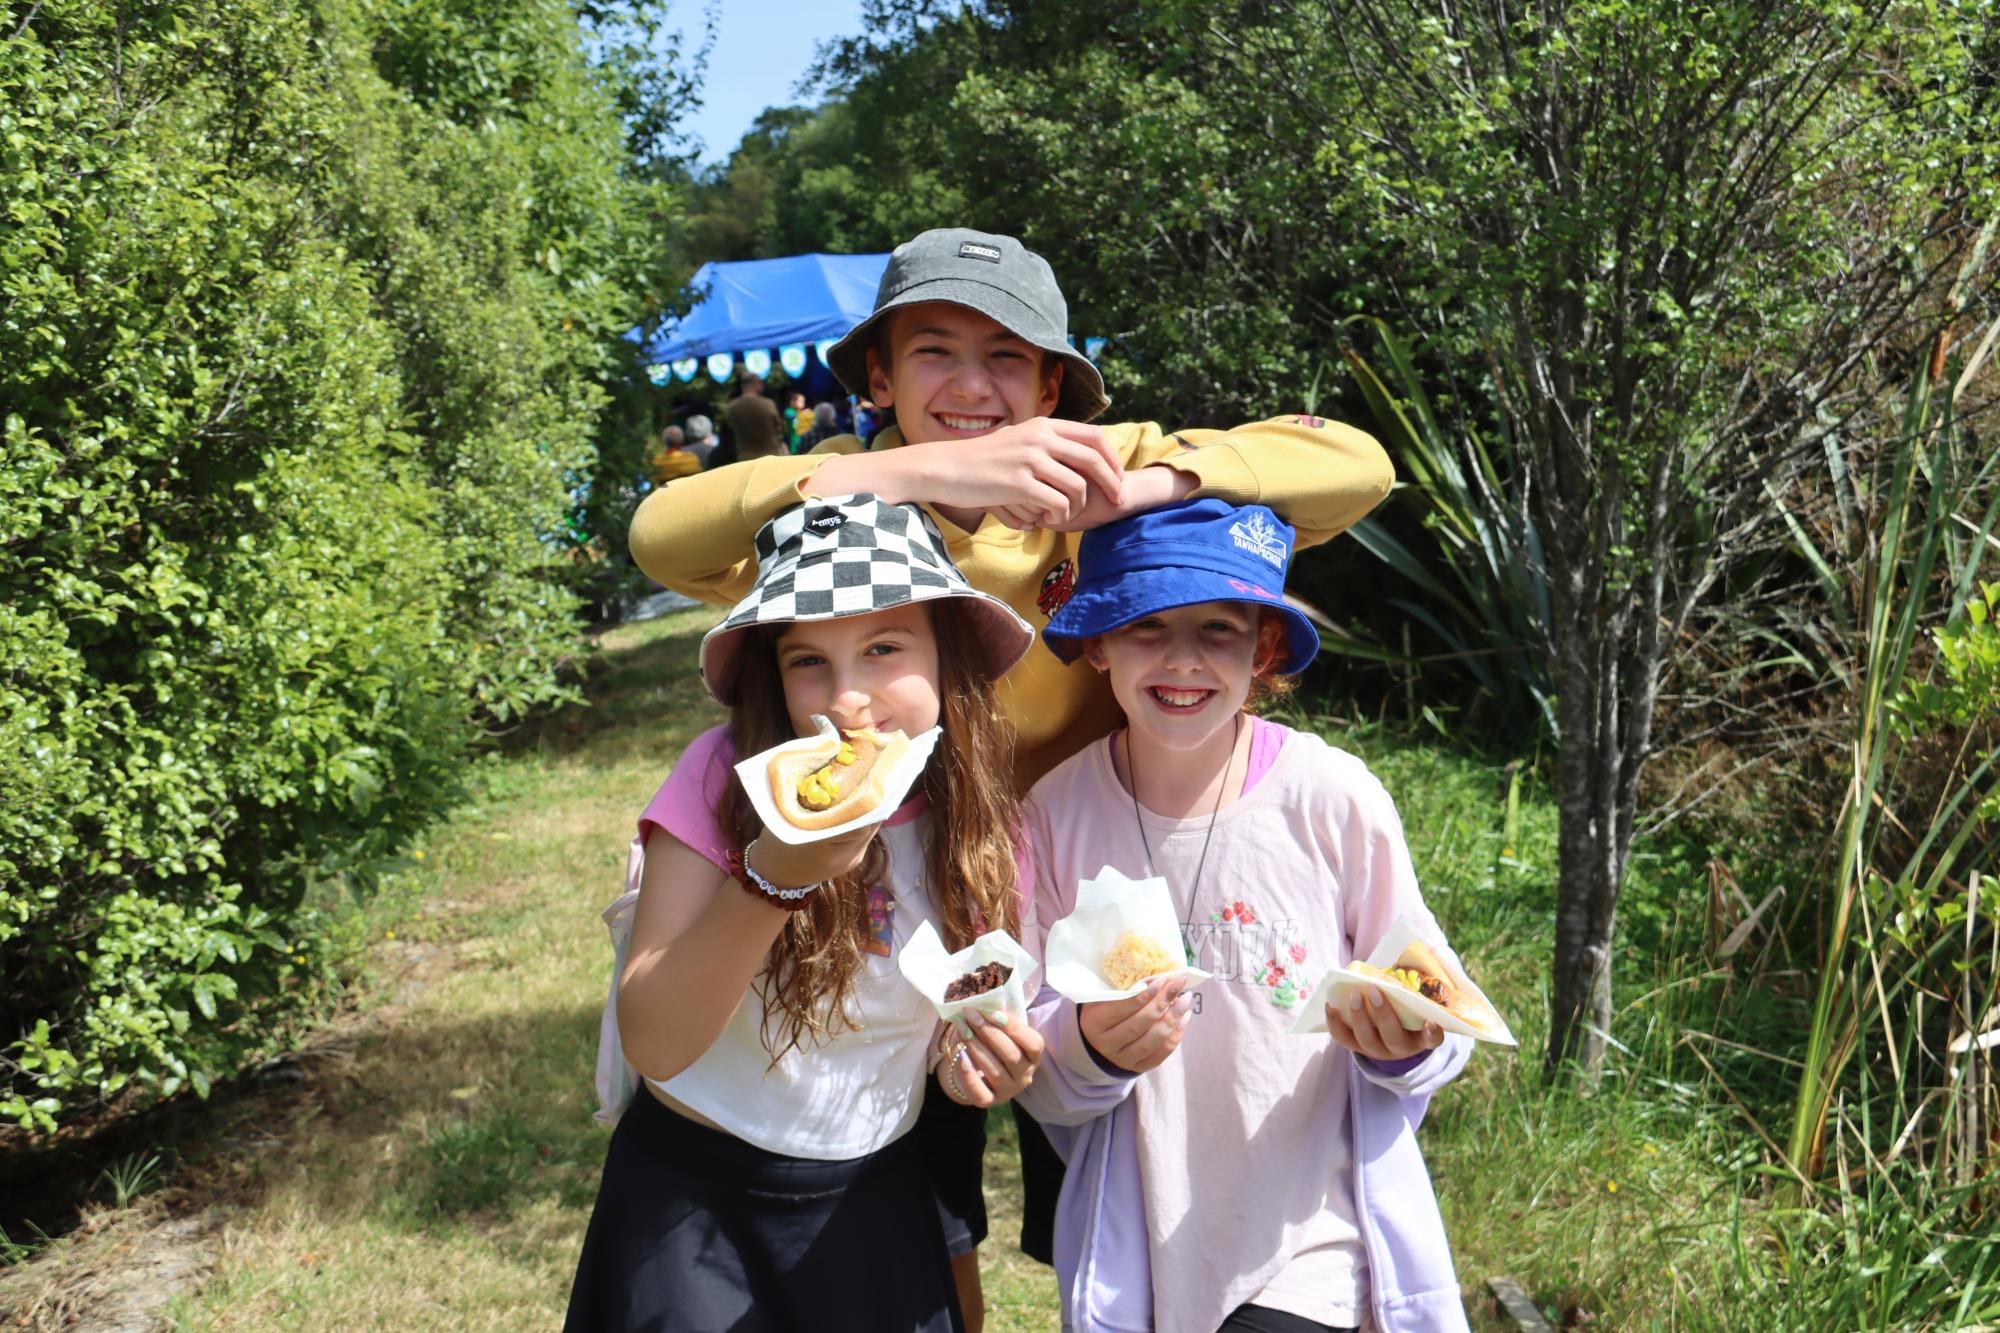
[[1225, 1172]]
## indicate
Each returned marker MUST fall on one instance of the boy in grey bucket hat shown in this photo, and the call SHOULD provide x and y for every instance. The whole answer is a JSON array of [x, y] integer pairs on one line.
[[968, 342], [994, 275]]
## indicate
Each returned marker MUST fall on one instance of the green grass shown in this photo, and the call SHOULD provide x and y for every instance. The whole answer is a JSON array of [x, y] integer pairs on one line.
[[438, 1166]]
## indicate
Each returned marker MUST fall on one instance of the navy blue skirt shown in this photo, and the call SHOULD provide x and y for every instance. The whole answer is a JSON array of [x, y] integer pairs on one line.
[[696, 1231]]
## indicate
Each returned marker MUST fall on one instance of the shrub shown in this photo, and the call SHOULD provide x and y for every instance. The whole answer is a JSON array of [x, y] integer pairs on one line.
[[301, 327]]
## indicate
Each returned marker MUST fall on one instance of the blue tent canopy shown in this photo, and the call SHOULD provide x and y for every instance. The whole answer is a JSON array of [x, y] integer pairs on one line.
[[769, 303]]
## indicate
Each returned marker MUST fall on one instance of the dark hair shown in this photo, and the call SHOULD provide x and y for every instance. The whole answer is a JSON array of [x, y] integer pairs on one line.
[[969, 864]]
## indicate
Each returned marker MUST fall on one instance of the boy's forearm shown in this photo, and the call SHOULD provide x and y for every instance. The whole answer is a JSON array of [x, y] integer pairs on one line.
[[1318, 475], [1153, 486], [893, 475], [695, 535]]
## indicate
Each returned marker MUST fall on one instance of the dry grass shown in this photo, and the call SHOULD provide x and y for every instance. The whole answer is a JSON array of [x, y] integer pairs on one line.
[[434, 1162], [441, 1175]]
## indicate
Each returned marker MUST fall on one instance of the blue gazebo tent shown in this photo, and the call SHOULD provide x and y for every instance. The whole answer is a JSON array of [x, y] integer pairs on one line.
[[765, 303]]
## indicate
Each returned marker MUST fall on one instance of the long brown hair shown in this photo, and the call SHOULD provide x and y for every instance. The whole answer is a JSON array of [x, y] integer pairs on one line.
[[969, 863]]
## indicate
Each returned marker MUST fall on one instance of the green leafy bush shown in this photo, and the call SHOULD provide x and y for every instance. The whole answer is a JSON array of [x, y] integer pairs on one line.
[[305, 313]]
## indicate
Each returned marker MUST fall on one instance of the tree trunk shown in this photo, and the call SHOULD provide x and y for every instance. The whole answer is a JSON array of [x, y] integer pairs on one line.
[[1606, 645], [1588, 873], [1607, 651]]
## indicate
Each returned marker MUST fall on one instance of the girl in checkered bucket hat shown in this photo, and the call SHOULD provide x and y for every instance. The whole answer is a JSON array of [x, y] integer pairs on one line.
[[784, 1056]]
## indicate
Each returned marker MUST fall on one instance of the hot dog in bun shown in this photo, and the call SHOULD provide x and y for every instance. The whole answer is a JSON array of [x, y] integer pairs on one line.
[[838, 779], [1421, 971]]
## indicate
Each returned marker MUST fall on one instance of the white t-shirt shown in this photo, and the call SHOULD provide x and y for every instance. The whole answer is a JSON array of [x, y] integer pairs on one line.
[[852, 1092]]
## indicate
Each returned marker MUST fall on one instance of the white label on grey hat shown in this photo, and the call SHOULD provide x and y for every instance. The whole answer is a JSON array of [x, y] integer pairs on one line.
[[974, 250]]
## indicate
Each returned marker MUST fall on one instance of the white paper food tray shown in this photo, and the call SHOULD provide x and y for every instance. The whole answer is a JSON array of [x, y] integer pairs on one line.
[[1413, 1009], [1107, 907], [754, 774], [930, 969]]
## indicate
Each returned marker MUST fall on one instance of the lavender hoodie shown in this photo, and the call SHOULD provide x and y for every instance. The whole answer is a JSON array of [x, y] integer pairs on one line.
[[1103, 1267], [1103, 1253]]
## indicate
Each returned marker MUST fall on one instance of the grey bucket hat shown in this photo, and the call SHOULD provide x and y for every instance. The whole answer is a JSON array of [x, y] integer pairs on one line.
[[848, 555], [994, 275]]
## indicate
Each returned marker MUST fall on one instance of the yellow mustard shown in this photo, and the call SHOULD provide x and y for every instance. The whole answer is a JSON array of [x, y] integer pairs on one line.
[[817, 789], [1407, 976]]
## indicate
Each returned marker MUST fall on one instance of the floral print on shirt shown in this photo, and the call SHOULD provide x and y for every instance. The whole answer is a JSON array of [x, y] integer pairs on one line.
[[1281, 974]]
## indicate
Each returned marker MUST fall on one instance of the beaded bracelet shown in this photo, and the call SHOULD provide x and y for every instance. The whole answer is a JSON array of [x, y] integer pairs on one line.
[[792, 900], [948, 1060]]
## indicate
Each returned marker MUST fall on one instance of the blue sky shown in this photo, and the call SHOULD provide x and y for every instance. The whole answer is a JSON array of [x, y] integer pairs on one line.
[[763, 51]]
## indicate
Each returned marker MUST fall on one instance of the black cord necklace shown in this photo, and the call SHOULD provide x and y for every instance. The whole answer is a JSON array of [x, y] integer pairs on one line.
[[1132, 771]]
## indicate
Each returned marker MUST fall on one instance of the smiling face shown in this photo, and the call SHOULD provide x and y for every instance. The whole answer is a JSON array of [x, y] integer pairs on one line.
[[878, 670], [1182, 675], [954, 374]]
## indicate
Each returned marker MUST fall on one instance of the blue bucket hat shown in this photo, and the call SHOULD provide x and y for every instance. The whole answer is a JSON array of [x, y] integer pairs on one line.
[[1205, 550]]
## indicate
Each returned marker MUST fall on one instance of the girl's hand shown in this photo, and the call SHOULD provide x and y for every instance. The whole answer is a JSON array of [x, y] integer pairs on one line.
[[791, 866], [995, 1064], [1371, 1028], [1137, 1033]]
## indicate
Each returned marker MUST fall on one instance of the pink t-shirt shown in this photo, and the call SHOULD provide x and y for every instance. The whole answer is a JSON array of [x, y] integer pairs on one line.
[[858, 1088]]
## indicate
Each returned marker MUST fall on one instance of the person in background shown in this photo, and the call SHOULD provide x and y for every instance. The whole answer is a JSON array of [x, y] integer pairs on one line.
[[825, 426], [866, 420], [799, 420], [701, 439], [672, 460], [754, 420]]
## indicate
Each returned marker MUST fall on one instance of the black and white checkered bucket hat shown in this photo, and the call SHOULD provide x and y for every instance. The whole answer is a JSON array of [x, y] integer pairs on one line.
[[847, 555]]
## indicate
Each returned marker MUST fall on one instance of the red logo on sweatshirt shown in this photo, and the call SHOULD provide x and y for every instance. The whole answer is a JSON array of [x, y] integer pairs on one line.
[[1057, 585]]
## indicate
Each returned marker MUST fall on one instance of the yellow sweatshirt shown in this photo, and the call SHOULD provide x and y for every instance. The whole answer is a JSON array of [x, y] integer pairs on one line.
[[695, 536]]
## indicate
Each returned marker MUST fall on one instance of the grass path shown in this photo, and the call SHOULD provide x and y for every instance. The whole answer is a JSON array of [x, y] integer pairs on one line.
[[434, 1163], [438, 1171]]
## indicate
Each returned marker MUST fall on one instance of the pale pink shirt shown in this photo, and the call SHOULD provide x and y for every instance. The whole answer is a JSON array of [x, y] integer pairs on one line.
[[1243, 1139]]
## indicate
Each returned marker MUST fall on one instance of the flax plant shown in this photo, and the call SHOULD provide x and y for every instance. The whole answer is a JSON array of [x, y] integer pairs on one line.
[[1908, 975], [1490, 606]]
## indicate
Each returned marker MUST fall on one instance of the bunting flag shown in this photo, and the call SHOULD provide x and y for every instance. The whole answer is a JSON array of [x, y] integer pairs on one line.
[[757, 361], [822, 347], [792, 356], [718, 366], [657, 374], [685, 368], [1093, 346]]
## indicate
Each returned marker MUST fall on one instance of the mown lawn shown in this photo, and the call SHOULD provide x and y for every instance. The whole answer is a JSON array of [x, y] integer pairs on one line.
[[436, 1165]]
